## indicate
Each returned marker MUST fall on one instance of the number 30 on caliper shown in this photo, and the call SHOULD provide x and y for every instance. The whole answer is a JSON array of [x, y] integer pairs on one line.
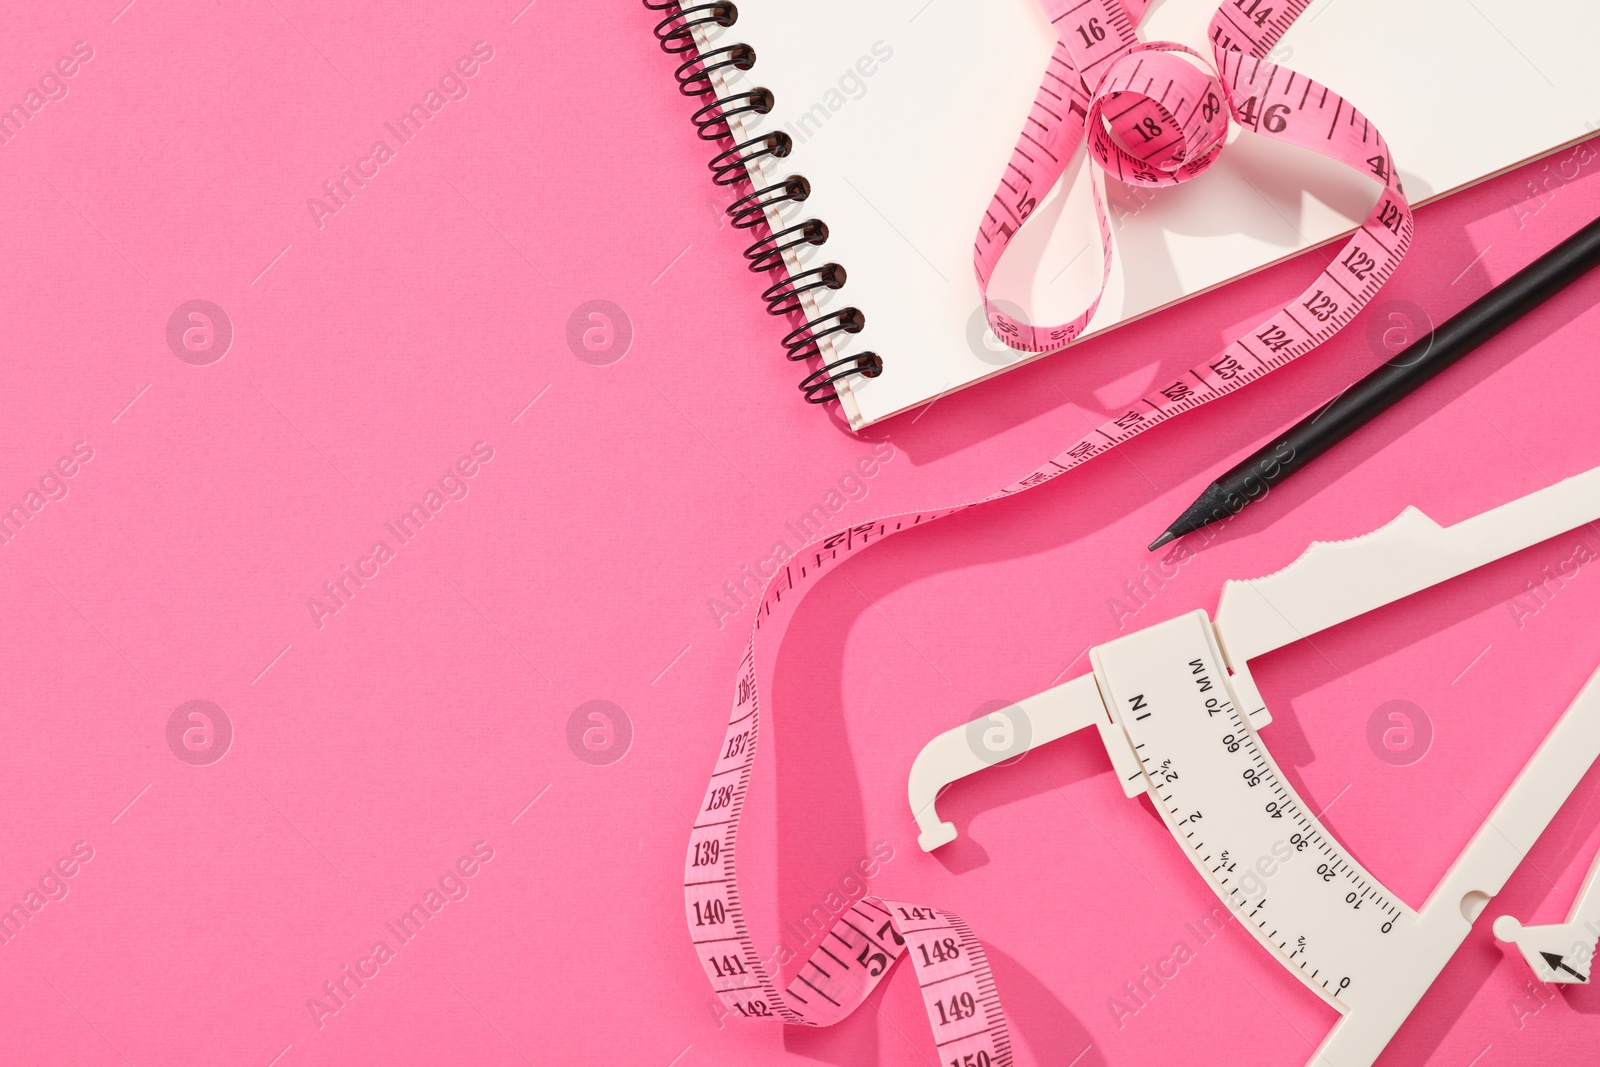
[[1178, 712]]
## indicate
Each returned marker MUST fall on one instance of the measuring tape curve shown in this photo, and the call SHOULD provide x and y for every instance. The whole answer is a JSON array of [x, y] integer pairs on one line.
[[1154, 118], [1133, 97]]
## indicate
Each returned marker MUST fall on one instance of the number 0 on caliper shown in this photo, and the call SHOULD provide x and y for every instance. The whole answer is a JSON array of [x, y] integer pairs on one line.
[[1179, 712]]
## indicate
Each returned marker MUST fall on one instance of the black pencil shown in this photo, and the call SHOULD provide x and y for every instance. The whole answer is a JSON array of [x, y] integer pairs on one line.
[[1378, 391]]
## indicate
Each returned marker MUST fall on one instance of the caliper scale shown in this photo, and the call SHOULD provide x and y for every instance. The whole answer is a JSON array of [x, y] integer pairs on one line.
[[1179, 714], [1222, 796]]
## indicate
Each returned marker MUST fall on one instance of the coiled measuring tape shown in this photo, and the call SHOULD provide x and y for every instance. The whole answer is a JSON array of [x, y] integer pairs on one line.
[[1153, 118]]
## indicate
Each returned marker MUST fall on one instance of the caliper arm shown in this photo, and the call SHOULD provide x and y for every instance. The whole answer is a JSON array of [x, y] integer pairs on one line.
[[1008, 733]]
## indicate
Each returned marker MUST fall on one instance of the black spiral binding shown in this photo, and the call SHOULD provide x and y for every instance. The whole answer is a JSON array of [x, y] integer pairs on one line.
[[675, 32]]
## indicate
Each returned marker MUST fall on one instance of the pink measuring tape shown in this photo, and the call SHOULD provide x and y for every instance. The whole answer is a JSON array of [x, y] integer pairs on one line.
[[1153, 117]]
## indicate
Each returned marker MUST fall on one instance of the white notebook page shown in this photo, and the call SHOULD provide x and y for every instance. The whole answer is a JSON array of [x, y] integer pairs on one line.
[[904, 112]]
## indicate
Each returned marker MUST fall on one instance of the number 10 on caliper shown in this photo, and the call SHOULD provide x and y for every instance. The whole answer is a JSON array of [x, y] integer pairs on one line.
[[1179, 714]]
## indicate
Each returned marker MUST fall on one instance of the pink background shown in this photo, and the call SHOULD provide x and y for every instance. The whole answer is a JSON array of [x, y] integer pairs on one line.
[[372, 753]]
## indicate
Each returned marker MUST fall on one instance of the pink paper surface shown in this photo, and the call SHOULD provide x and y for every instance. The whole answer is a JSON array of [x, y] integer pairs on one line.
[[417, 739]]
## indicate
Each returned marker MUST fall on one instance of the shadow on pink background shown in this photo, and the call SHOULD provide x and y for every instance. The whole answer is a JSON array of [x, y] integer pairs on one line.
[[392, 746]]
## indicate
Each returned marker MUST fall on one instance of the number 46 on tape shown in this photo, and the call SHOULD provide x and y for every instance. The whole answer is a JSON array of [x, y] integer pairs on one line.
[[1179, 712]]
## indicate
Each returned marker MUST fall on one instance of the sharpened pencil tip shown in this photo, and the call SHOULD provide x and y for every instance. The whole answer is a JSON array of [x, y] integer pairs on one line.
[[1213, 504]]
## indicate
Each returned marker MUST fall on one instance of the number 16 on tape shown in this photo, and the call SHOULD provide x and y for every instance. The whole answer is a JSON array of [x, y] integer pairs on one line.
[[1178, 712]]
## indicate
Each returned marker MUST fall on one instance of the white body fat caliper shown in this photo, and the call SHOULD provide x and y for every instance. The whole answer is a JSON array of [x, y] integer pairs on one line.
[[1179, 713]]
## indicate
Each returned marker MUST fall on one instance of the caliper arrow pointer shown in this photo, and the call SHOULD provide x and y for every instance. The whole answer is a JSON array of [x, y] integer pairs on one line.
[[1557, 963]]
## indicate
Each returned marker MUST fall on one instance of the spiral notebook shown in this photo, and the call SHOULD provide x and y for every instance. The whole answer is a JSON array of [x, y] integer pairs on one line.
[[898, 117]]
